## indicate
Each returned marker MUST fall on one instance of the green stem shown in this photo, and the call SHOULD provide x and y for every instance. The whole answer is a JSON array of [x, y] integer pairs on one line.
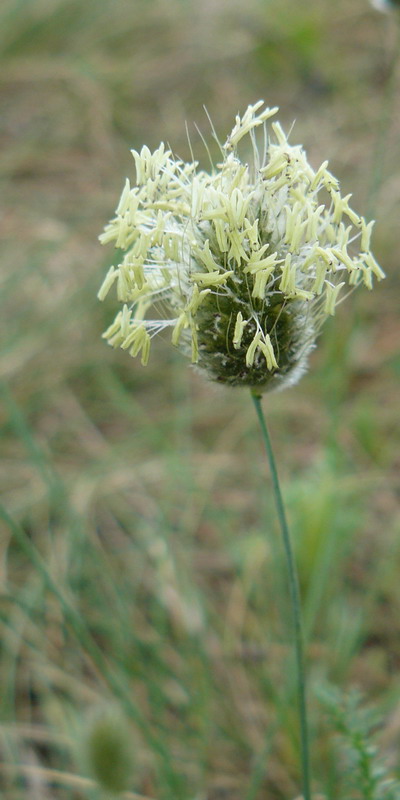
[[294, 599]]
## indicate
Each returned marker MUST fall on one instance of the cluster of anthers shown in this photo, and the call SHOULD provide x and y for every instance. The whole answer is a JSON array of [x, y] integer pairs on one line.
[[243, 264]]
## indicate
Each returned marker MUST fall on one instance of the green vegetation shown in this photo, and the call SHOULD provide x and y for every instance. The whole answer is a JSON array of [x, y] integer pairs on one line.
[[135, 570]]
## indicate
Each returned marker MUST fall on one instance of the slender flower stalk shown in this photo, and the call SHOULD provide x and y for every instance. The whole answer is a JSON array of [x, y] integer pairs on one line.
[[242, 266], [294, 599]]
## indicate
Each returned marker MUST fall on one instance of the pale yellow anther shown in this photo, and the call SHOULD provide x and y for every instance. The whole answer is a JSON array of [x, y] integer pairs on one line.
[[374, 266], [261, 280], [297, 234], [144, 243], [105, 287], [124, 200], [251, 350], [181, 323], [148, 164], [354, 277], [275, 185], [152, 188], [293, 225], [240, 174], [236, 249], [157, 233], [139, 340], [366, 230], [343, 235], [329, 181], [142, 306], [343, 256], [236, 207], [132, 209], [124, 285], [181, 209], [288, 280], [197, 298], [353, 217], [325, 254], [278, 131], [195, 343], [303, 294], [115, 341], [252, 233], [136, 269], [331, 296], [319, 176], [256, 262], [139, 163], [171, 243], [205, 255], [214, 211], [131, 336], [330, 233], [198, 189], [310, 259], [123, 233], [145, 350], [125, 320], [110, 232], [320, 275], [276, 165], [239, 330], [367, 276], [313, 222], [220, 232], [211, 278], [113, 328], [341, 206], [249, 121], [267, 349]]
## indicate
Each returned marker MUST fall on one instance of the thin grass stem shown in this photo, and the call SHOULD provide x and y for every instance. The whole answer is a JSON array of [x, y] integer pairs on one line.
[[294, 599]]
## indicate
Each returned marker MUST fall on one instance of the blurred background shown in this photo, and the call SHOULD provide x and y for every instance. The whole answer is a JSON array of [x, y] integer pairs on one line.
[[141, 578]]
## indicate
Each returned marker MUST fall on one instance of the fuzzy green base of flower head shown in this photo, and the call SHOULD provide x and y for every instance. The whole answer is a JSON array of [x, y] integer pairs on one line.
[[242, 264]]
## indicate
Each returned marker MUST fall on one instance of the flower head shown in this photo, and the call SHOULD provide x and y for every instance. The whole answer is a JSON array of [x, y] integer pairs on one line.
[[242, 265]]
